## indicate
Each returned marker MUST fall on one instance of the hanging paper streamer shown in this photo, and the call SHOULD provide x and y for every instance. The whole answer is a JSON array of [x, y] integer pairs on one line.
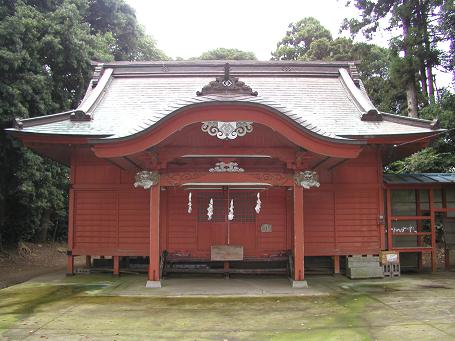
[[258, 204], [190, 204], [210, 209], [231, 210]]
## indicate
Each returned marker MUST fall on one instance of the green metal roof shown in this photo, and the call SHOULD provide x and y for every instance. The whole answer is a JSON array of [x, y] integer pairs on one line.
[[419, 178]]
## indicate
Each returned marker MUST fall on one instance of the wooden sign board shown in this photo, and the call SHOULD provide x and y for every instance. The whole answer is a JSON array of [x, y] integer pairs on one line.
[[226, 252]]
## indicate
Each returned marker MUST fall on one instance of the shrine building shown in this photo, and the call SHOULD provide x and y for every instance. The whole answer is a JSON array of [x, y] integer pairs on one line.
[[226, 163]]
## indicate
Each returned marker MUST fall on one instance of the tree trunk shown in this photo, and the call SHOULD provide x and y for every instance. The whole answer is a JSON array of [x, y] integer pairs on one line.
[[45, 224], [428, 52], [411, 92]]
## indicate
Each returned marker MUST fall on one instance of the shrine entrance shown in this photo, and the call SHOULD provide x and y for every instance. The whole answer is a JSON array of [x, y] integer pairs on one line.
[[226, 223]]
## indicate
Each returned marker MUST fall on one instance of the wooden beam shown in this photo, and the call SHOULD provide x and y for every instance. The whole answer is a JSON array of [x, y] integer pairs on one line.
[[389, 219], [299, 274]]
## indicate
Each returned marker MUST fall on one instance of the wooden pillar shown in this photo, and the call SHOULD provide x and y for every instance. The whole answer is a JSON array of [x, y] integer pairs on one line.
[[298, 234], [419, 229], [154, 244], [336, 264], [88, 261], [389, 219], [116, 261], [70, 258], [69, 264], [434, 258]]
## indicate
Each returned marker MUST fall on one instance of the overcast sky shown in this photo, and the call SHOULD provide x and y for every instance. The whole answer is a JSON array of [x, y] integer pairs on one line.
[[189, 28]]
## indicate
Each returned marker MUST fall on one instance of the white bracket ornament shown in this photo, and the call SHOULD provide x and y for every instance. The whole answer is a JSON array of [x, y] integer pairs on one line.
[[146, 179], [210, 209], [227, 130], [222, 167], [307, 179]]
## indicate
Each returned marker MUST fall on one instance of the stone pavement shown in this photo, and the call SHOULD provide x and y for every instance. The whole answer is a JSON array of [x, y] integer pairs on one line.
[[100, 307]]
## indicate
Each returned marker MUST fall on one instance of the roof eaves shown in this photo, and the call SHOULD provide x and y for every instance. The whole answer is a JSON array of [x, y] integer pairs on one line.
[[411, 121], [233, 100], [19, 124]]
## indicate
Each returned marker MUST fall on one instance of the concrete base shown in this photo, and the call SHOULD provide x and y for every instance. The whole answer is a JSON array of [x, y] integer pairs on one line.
[[299, 284], [153, 284]]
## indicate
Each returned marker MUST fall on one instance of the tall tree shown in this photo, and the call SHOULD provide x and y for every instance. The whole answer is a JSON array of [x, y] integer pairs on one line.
[[316, 43], [226, 54], [45, 53], [421, 26], [299, 37]]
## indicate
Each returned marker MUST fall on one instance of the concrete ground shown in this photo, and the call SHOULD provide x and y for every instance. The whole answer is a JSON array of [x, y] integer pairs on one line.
[[100, 307]]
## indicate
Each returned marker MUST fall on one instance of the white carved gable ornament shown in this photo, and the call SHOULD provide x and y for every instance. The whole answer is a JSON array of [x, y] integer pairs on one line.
[[227, 130]]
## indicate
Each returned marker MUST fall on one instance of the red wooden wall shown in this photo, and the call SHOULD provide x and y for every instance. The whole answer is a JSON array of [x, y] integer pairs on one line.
[[111, 217], [341, 217]]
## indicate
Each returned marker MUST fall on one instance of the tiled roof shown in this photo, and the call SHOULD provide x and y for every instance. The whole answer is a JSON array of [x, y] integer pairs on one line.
[[419, 178], [132, 97]]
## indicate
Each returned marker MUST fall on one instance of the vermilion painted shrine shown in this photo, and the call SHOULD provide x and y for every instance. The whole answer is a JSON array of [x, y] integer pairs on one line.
[[246, 161]]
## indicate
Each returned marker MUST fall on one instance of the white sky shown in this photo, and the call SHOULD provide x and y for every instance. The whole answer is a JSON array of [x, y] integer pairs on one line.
[[189, 28]]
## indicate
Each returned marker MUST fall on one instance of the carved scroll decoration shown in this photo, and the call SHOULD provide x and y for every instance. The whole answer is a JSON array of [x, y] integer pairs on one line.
[[227, 130], [307, 179], [222, 167], [146, 179]]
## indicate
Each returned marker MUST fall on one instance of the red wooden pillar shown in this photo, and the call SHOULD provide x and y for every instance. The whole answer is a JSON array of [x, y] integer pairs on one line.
[[88, 261], [70, 257], [336, 264], [389, 219], [434, 258], [154, 250], [299, 275], [116, 261], [419, 229]]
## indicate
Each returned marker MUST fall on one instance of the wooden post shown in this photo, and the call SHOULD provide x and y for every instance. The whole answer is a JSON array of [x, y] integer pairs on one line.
[[88, 261], [434, 258], [299, 274], [69, 264], [116, 260], [419, 229], [154, 250], [389, 219], [70, 259], [336, 264]]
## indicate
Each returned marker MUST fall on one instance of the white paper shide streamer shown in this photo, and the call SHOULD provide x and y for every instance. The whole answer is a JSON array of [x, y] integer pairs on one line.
[[210, 209], [190, 204], [231, 210], [258, 204]]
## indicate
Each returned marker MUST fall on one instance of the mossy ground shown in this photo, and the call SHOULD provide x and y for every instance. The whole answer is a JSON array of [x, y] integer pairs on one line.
[[86, 308]]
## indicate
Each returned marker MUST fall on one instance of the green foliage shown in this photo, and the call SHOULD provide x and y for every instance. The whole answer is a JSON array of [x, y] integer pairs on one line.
[[226, 54], [440, 156], [308, 40], [45, 52], [299, 37]]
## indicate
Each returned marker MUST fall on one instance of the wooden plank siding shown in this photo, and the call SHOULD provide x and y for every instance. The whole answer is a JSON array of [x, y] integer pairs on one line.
[[342, 216], [111, 217]]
